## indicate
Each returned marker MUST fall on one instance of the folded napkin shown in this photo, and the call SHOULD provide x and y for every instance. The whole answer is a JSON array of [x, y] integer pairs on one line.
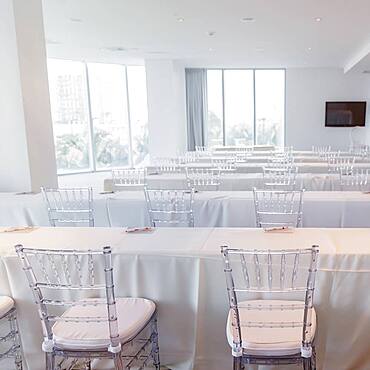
[[279, 229], [139, 230], [25, 229]]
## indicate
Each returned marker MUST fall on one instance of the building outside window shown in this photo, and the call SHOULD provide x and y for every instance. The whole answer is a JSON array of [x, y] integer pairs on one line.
[[99, 113]]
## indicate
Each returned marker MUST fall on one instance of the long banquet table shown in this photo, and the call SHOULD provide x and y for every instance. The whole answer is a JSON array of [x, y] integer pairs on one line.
[[181, 270], [238, 181], [211, 209]]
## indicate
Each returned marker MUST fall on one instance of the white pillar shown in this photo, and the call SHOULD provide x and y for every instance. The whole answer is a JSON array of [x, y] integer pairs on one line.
[[166, 107], [27, 156]]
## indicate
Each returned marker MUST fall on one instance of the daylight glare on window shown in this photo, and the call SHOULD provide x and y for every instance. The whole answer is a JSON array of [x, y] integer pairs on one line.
[[245, 107], [99, 113]]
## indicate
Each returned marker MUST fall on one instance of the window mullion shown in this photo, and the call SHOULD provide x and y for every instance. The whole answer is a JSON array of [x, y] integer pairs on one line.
[[131, 160], [223, 109], [90, 119], [254, 109]]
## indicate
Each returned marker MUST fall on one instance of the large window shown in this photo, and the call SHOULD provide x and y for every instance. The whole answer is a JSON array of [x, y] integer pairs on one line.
[[245, 107], [99, 115]]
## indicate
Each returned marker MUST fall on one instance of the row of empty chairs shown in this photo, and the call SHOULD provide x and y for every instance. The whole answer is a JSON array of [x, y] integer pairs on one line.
[[74, 207], [271, 319], [274, 177]]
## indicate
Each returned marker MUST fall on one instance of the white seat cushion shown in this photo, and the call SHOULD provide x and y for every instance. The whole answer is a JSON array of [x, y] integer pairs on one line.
[[6, 304], [133, 314], [267, 341]]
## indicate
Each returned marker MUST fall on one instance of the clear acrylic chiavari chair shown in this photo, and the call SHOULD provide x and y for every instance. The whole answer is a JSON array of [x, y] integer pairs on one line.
[[191, 157], [170, 207], [10, 345], [321, 150], [272, 320], [69, 206], [81, 317], [336, 163], [203, 178], [278, 208], [225, 164], [124, 178], [281, 160], [280, 178], [354, 179], [201, 150], [167, 165]]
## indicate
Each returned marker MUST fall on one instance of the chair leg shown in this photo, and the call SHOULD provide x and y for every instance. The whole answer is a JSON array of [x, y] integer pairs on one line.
[[155, 345], [118, 363], [50, 361], [18, 362], [237, 364], [307, 364], [313, 359], [17, 342]]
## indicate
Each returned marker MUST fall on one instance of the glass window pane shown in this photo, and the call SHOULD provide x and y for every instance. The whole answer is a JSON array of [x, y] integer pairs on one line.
[[215, 108], [270, 107], [108, 98], [69, 109], [239, 107], [136, 77]]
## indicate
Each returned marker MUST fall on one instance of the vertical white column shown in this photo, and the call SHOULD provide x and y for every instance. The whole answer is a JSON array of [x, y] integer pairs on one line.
[[166, 107], [27, 156]]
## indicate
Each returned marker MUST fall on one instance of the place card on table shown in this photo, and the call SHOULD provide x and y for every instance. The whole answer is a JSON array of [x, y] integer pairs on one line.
[[279, 229], [139, 230], [25, 229]]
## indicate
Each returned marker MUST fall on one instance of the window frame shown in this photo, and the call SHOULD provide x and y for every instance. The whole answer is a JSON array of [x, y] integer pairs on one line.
[[91, 150], [254, 99]]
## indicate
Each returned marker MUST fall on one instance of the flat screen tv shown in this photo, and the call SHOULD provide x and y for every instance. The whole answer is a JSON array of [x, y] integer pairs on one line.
[[345, 114]]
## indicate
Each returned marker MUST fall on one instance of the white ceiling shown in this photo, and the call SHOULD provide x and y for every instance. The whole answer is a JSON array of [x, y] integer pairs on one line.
[[285, 33]]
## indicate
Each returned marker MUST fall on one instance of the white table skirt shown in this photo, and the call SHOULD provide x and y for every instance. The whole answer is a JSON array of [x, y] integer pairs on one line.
[[236, 209], [238, 181], [181, 270], [211, 209], [258, 158], [307, 167]]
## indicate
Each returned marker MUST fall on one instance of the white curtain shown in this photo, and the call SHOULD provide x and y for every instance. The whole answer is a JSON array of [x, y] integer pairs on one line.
[[196, 106]]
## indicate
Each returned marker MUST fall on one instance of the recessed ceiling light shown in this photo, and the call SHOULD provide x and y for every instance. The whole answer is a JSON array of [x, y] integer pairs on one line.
[[76, 20], [210, 49], [247, 19], [180, 19], [309, 49], [318, 19], [211, 33]]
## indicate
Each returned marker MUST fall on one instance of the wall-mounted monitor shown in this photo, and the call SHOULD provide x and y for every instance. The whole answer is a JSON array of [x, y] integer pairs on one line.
[[345, 114]]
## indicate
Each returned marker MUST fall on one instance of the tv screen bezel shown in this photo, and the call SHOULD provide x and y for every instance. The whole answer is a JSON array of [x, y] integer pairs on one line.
[[345, 102]]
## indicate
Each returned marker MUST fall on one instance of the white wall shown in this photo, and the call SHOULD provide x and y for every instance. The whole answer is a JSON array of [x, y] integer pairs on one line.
[[307, 90], [12, 126], [27, 156], [166, 107]]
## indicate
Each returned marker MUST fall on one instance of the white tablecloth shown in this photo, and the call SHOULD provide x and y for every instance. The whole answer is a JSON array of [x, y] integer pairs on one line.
[[211, 209], [239, 181], [236, 209], [249, 167], [181, 270]]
